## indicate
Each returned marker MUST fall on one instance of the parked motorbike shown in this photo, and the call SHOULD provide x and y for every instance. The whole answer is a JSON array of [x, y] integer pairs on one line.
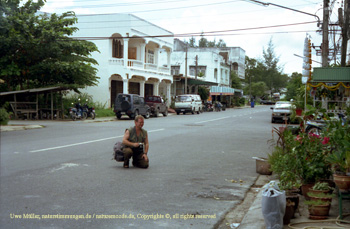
[[77, 112], [90, 111], [208, 107], [317, 126]]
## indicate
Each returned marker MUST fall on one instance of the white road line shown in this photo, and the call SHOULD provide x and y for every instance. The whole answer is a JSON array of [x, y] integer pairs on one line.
[[87, 142], [212, 120]]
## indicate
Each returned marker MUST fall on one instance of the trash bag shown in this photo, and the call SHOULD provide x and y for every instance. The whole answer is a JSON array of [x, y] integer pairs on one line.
[[273, 205]]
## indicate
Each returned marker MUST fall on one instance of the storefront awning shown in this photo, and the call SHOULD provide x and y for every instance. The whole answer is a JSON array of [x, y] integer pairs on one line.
[[331, 75], [200, 82], [331, 78]]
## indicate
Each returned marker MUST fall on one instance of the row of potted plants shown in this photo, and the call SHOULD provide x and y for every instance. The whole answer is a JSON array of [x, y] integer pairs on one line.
[[301, 160]]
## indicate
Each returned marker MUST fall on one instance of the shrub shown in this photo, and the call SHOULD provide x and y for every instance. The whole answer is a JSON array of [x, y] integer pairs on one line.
[[4, 117]]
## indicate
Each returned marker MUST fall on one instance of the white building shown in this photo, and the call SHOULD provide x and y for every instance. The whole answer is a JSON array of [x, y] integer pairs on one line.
[[213, 64], [129, 58]]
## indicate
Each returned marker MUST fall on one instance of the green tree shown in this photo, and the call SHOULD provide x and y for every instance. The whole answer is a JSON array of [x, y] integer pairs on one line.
[[293, 85], [36, 50], [273, 76], [235, 81], [192, 42], [203, 92], [258, 89]]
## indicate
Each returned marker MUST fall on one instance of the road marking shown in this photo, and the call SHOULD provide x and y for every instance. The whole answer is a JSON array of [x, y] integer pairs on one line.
[[87, 142], [212, 120]]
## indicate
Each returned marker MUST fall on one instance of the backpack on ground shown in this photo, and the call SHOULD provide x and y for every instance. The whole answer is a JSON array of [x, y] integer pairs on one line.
[[118, 153]]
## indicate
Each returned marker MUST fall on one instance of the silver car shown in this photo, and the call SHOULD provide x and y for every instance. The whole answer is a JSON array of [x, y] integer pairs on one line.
[[281, 111]]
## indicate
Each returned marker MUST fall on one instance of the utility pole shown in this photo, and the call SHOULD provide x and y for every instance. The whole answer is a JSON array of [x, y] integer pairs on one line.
[[186, 72], [345, 25], [196, 72], [325, 41]]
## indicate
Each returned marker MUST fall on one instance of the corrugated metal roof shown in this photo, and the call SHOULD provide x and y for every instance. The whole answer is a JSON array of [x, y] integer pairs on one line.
[[33, 90], [337, 74]]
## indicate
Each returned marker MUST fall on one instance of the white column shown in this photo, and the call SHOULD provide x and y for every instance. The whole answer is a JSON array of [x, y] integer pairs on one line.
[[156, 89], [142, 88], [143, 51], [125, 86], [169, 60], [126, 48], [156, 52], [168, 95]]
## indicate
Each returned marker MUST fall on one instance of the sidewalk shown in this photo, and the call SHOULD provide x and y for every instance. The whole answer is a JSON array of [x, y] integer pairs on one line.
[[15, 125], [253, 217]]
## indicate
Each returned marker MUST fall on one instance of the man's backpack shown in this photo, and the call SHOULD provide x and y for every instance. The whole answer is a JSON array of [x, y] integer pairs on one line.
[[118, 154]]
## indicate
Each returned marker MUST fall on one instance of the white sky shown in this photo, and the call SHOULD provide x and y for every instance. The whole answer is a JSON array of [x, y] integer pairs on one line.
[[196, 16]]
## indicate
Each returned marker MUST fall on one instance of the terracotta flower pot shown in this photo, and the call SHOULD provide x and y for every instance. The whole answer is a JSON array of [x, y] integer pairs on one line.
[[298, 111], [343, 182], [305, 189], [319, 210]]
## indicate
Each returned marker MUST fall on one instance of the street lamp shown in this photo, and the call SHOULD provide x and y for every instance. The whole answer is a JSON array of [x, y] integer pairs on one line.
[[284, 7]]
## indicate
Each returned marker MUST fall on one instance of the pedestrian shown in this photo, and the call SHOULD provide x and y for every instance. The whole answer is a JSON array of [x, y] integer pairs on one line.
[[136, 145]]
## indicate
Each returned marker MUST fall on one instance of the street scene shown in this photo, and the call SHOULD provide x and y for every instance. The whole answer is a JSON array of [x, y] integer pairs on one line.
[[174, 114], [65, 170]]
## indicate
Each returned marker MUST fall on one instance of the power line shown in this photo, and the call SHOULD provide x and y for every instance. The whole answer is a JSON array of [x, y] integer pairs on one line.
[[210, 33]]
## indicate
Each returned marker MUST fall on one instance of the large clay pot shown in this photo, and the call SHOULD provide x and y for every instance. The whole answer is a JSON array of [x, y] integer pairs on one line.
[[289, 214], [305, 189], [343, 182], [319, 210]]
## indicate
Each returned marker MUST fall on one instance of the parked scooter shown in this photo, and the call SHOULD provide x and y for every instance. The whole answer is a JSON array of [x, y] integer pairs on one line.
[[316, 126], [90, 111], [77, 112], [208, 106]]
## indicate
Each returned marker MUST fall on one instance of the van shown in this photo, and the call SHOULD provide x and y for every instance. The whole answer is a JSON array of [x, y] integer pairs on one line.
[[188, 103]]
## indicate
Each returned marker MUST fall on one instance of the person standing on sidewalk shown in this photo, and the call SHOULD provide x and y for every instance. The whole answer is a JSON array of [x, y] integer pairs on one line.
[[136, 145]]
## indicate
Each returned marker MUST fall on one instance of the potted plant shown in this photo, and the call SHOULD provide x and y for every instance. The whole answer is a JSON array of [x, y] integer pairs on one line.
[[311, 159], [321, 187], [339, 156], [318, 209]]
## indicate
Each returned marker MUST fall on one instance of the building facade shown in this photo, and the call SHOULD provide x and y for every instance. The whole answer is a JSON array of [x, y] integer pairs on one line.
[[213, 66], [129, 56]]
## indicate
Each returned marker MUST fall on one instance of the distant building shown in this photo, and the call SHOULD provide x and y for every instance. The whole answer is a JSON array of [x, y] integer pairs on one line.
[[129, 58], [214, 67]]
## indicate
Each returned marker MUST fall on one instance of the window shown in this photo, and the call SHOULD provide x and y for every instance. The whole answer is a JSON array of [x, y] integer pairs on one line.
[[150, 56], [175, 70], [117, 49], [200, 70]]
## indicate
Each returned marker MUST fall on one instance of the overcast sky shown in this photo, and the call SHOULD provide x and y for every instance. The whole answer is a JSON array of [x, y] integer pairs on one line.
[[249, 25]]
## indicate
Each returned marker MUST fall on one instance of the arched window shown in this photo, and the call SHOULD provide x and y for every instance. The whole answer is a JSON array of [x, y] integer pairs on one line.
[[117, 49]]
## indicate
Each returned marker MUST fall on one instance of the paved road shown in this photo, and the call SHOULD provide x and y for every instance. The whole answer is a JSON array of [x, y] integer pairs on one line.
[[62, 176]]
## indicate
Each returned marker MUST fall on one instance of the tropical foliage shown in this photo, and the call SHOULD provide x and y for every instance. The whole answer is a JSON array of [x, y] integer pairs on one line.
[[36, 50]]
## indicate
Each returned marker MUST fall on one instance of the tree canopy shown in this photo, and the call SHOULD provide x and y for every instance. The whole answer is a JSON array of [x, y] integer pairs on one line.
[[266, 71], [36, 49], [204, 43]]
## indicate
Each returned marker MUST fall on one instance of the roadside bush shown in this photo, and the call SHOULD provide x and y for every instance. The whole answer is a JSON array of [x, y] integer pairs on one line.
[[4, 117], [104, 113]]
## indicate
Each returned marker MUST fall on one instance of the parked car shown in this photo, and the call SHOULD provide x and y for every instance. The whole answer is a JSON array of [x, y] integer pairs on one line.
[[188, 103], [131, 105], [157, 105], [281, 111], [267, 102]]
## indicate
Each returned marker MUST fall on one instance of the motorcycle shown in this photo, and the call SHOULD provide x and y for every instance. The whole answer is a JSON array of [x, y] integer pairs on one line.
[[208, 107], [77, 112], [317, 126], [90, 111]]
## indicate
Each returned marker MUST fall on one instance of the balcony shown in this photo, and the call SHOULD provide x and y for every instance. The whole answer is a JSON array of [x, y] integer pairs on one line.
[[139, 65]]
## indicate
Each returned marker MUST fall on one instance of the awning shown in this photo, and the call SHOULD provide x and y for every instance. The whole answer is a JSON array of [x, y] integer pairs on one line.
[[200, 82], [331, 78], [216, 90], [331, 75], [34, 90]]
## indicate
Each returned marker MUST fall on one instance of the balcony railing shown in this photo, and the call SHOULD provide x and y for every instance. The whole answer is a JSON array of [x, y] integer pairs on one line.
[[137, 64]]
